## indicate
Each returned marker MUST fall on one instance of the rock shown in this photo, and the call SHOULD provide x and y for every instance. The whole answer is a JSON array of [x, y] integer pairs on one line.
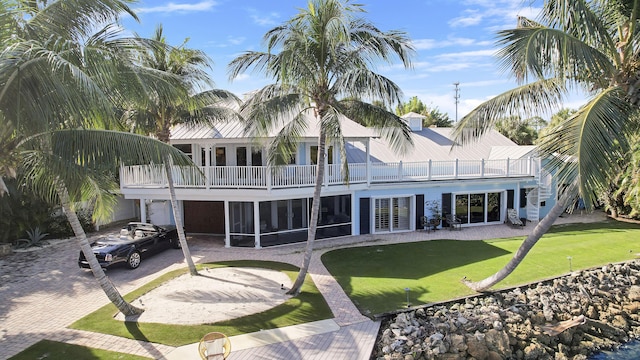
[[476, 348], [457, 344], [498, 325], [634, 293], [534, 352], [436, 337], [508, 324], [498, 341], [620, 322]]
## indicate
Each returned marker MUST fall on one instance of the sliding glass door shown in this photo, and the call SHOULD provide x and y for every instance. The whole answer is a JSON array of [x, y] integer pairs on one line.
[[478, 208]]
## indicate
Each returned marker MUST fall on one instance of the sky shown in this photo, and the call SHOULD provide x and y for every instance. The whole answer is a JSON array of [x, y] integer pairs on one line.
[[454, 41]]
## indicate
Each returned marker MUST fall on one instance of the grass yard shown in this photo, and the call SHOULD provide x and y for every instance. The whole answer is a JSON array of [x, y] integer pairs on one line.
[[375, 277], [306, 307], [53, 350]]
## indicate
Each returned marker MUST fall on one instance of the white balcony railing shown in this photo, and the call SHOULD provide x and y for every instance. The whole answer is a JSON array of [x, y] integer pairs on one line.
[[294, 176]]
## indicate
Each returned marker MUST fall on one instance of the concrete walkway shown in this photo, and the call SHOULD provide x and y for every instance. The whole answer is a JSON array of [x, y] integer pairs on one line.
[[43, 292]]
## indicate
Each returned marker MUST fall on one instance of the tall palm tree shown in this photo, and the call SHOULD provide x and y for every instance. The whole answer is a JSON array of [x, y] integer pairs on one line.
[[158, 114], [321, 61], [589, 45], [60, 70]]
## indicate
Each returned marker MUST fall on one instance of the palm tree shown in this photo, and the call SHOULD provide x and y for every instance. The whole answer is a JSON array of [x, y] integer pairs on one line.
[[158, 114], [320, 60], [590, 45], [59, 70]]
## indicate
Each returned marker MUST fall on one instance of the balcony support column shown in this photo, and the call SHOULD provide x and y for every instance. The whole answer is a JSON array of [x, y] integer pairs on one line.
[[368, 160], [256, 223], [227, 225], [455, 170], [143, 210], [207, 166]]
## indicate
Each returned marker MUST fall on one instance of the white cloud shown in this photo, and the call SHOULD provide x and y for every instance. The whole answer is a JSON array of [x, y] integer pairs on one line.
[[236, 40], [242, 77], [180, 8], [267, 19], [485, 83], [450, 67], [495, 14], [426, 44], [458, 56], [464, 21]]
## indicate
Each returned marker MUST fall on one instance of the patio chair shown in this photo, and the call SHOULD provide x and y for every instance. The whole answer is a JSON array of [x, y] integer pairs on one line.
[[453, 221], [214, 346], [424, 224], [513, 219]]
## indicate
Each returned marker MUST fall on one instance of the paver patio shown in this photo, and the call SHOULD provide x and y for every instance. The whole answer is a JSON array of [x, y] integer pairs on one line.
[[43, 291]]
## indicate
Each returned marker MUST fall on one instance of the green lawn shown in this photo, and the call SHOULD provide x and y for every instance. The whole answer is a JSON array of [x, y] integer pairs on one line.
[[375, 277], [307, 307], [53, 350]]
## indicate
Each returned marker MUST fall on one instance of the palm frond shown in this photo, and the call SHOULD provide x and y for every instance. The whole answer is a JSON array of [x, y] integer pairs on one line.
[[593, 139], [285, 143], [540, 52], [331, 125], [582, 20], [527, 100], [74, 17], [268, 109], [364, 83], [259, 61], [100, 149], [392, 129]]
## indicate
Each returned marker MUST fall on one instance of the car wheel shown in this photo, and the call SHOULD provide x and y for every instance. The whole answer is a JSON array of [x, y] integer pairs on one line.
[[133, 261], [176, 244]]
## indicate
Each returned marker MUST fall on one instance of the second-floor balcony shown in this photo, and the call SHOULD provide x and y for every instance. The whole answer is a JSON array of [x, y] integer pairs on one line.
[[298, 176]]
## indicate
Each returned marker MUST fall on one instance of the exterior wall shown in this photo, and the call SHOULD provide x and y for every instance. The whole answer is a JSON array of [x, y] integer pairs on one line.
[[123, 210], [433, 191], [160, 213]]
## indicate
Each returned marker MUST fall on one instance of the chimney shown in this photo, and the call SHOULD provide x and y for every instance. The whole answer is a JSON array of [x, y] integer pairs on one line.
[[414, 121]]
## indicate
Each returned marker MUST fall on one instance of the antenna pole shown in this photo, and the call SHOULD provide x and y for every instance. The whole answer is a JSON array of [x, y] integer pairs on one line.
[[456, 97]]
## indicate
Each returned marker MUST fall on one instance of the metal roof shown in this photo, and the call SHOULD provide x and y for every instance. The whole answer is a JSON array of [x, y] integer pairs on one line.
[[512, 152], [434, 144], [236, 130]]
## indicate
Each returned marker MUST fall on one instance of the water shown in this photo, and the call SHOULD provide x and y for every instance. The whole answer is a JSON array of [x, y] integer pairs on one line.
[[628, 351]]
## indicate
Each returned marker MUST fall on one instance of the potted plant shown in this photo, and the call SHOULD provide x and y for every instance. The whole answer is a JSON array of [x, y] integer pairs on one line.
[[435, 213]]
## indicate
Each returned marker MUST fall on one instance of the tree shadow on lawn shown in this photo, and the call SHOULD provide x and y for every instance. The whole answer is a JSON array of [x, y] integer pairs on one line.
[[380, 270]]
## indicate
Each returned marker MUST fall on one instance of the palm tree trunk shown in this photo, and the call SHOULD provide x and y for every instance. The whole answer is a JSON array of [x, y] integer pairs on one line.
[[177, 216], [313, 222], [81, 237], [537, 233]]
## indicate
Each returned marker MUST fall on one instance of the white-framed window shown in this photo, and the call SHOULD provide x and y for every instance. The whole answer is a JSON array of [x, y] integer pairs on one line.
[[479, 207]]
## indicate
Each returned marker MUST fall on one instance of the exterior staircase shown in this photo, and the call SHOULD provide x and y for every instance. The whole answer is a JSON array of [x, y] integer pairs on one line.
[[540, 193]]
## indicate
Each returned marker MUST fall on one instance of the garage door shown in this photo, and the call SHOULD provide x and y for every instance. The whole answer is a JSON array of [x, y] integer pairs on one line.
[[205, 217]]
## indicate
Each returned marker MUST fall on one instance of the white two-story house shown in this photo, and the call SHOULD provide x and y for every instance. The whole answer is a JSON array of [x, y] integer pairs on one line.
[[236, 194]]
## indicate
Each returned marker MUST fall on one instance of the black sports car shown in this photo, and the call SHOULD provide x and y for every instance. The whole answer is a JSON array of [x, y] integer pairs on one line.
[[135, 241]]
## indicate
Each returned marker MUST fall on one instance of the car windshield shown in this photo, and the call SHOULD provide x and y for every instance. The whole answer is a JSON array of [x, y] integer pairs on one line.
[[112, 239]]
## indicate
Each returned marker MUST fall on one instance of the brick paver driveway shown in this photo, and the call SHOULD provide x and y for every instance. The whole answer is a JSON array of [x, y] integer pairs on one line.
[[43, 291]]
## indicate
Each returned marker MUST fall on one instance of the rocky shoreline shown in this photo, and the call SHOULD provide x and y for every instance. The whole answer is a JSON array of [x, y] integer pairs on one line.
[[568, 318]]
